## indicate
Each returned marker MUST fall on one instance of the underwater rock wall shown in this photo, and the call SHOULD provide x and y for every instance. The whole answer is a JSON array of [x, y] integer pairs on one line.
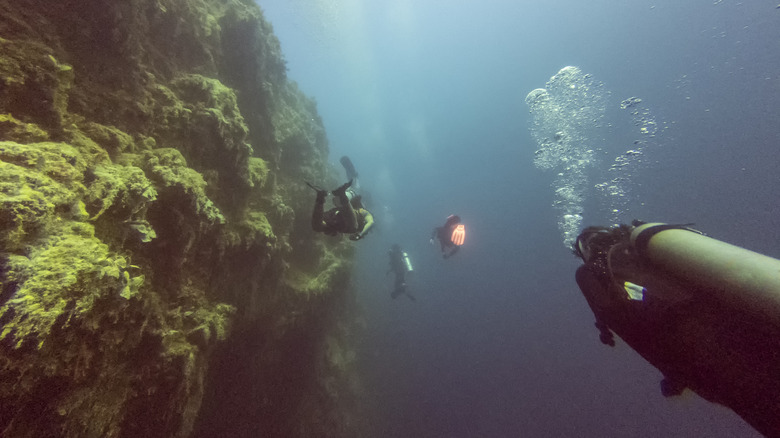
[[154, 229]]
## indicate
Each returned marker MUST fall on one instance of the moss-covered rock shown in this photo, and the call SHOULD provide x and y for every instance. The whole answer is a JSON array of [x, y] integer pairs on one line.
[[38, 184], [152, 213], [113, 140], [61, 282], [258, 172], [35, 84], [124, 188], [18, 131], [169, 171]]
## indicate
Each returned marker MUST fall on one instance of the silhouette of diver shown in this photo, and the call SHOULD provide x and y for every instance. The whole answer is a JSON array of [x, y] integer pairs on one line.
[[348, 217], [400, 265], [450, 235]]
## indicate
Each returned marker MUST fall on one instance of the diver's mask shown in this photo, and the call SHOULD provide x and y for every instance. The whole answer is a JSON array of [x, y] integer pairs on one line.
[[589, 242]]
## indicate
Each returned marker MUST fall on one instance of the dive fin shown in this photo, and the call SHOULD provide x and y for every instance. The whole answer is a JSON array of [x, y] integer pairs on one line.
[[313, 187], [349, 167]]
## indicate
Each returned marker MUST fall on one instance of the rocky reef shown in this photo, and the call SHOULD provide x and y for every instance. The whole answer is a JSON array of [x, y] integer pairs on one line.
[[158, 274]]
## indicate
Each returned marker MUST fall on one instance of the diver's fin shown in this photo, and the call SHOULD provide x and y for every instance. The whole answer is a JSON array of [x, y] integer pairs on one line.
[[411, 297], [321, 194], [348, 167], [315, 188]]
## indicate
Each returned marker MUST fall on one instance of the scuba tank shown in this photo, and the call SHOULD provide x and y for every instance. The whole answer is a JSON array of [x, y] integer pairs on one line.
[[740, 278], [703, 312], [407, 262], [401, 265]]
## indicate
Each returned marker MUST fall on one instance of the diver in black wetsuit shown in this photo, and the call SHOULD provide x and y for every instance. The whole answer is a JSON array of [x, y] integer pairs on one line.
[[400, 265], [703, 312], [450, 236], [340, 219], [349, 216]]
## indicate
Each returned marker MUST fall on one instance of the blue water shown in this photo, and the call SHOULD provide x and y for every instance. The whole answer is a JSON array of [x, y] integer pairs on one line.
[[427, 98]]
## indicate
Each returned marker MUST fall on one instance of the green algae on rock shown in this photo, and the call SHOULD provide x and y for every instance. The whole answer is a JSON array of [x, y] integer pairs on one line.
[[152, 216], [61, 281]]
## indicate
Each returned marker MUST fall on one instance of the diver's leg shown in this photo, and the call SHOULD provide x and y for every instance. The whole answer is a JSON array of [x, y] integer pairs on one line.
[[317, 224], [398, 288], [350, 217]]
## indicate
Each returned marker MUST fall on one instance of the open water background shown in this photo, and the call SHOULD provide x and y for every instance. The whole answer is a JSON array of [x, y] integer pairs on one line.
[[427, 98]]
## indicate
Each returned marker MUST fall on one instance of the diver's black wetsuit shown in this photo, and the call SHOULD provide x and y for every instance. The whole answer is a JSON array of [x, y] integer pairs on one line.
[[444, 234], [338, 219], [690, 332], [399, 268]]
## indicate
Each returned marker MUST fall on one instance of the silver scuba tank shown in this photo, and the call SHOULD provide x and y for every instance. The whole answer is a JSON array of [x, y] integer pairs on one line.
[[407, 262]]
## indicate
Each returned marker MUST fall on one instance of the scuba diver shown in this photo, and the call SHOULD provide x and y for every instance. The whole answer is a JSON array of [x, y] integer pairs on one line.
[[703, 312], [401, 266], [451, 236], [347, 217]]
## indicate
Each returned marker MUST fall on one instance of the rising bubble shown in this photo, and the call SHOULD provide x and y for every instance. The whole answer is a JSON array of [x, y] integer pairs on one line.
[[564, 116]]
